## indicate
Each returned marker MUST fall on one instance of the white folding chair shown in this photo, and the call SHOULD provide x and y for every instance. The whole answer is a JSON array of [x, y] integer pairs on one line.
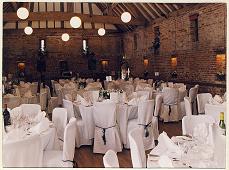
[[106, 131], [27, 152], [63, 158], [32, 109], [59, 119], [202, 99], [189, 122], [110, 159], [145, 122], [69, 106], [137, 150]]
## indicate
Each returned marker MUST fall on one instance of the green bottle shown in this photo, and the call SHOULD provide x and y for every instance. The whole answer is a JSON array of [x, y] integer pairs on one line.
[[222, 124]]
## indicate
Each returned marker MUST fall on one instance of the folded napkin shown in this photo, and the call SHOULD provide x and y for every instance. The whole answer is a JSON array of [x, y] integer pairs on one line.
[[28, 94], [82, 101], [201, 132], [165, 162], [42, 126]]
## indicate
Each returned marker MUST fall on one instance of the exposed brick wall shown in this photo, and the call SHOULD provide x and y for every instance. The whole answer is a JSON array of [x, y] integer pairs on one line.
[[196, 61], [17, 44]]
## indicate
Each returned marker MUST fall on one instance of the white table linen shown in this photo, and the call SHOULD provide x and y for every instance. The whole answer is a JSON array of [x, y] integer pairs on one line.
[[214, 111]]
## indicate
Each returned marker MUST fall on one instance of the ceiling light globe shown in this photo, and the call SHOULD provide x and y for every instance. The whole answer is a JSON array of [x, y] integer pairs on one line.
[[28, 30], [22, 13], [65, 37], [125, 17], [101, 31], [75, 22]]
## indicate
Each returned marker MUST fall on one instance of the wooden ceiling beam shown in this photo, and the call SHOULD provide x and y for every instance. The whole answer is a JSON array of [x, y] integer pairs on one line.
[[14, 6], [162, 8], [66, 16], [128, 10], [135, 11], [171, 6], [70, 7], [117, 13], [175, 6], [91, 14], [155, 9], [81, 5], [142, 12], [61, 10], [149, 10], [170, 10]]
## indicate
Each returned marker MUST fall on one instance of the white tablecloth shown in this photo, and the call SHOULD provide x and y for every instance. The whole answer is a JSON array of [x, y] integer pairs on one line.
[[214, 111], [47, 137]]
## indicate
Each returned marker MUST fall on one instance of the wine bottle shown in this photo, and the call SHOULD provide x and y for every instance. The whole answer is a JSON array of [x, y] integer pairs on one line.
[[222, 124], [6, 117]]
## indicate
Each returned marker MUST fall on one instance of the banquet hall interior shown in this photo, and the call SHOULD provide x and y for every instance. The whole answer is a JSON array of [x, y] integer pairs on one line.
[[120, 85]]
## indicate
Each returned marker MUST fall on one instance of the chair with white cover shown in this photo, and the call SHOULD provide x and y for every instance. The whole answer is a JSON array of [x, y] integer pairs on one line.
[[52, 103], [114, 97], [69, 106], [12, 101], [59, 119], [33, 88], [32, 109], [110, 159], [192, 95], [43, 100], [137, 150], [219, 141], [191, 121], [150, 81], [27, 152], [202, 99], [68, 97], [63, 158], [188, 106], [106, 134], [145, 122], [170, 108]]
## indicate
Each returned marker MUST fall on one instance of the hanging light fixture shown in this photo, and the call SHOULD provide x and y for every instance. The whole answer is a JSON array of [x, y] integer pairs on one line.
[[22, 13], [75, 22], [125, 17], [28, 30], [101, 31], [65, 37]]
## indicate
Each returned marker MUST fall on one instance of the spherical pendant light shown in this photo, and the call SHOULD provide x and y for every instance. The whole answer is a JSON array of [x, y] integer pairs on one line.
[[28, 30], [65, 37], [126, 17], [75, 22], [101, 31], [22, 13]]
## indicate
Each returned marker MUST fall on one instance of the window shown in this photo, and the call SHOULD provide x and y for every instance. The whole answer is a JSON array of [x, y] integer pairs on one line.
[[42, 45], [85, 46], [194, 27]]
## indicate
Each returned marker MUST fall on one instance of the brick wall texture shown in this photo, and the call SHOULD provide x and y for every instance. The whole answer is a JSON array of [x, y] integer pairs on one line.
[[196, 61]]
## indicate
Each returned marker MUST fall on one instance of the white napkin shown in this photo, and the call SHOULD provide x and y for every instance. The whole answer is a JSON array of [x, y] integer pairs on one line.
[[82, 100], [28, 94], [42, 126], [165, 162], [200, 132]]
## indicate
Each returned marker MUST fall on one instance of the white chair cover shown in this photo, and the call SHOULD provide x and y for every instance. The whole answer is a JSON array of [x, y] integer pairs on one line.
[[94, 96], [145, 123], [188, 106], [189, 122], [32, 109], [52, 103], [68, 97], [219, 147], [137, 150], [43, 100], [114, 97], [12, 101], [150, 81], [58, 158], [85, 126], [192, 95], [69, 106], [59, 119], [23, 153], [33, 88], [202, 99], [110, 159], [170, 109], [158, 102], [106, 131]]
